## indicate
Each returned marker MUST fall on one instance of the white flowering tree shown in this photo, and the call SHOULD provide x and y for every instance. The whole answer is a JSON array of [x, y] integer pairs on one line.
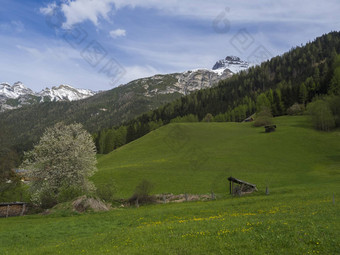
[[63, 160]]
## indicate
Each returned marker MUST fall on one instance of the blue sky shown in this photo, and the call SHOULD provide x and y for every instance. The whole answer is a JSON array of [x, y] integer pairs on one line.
[[100, 44]]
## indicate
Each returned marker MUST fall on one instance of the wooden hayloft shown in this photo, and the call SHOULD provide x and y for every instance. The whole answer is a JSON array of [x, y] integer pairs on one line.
[[239, 187]]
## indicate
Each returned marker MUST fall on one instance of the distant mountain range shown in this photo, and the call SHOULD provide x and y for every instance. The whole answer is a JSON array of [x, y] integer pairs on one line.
[[37, 111], [17, 95]]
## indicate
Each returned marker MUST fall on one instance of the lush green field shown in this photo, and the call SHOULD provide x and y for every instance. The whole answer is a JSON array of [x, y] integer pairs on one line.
[[301, 167], [302, 222], [199, 157]]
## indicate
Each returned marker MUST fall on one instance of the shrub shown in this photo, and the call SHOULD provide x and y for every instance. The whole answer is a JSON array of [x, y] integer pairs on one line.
[[186, 118], [107, 192], [44, 197], [68, 193], [142, 193], [296, 109], [334, 104], [208, 118], [322, 115], [263, 118]]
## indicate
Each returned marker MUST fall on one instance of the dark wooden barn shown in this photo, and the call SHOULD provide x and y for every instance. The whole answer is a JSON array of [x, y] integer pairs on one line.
[[239, 187]]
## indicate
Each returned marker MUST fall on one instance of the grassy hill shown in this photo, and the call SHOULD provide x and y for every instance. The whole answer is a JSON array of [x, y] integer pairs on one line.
[[300, 165], [199, 157]]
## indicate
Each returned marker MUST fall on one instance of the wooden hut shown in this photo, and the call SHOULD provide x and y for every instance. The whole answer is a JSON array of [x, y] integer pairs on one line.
[[12, 209], [239, 187], [270, 128]]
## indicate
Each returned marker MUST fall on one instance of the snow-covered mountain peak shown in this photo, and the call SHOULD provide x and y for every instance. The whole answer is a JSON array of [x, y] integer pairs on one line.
[[65, 92], [17, 90], [24, 95], [233, 63], [4, 84], [18, 84]]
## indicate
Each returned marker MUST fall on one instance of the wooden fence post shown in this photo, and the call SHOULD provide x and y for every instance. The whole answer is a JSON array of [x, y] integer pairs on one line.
[[23, 209], [7, 211], [186, 197], [267, 190]]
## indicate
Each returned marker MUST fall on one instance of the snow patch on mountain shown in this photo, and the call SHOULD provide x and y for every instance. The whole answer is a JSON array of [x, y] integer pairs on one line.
[[15, 91], [17, 95], [65, 93], [233, 63]]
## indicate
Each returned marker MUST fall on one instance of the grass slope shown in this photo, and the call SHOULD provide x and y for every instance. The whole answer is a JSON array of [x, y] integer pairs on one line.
[[199, 157], [301, 167]]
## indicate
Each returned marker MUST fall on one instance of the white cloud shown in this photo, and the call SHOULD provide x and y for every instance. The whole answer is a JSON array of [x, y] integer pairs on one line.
[[81, 10], [172, 50], [48, 10], [77, 11], [117, 33]]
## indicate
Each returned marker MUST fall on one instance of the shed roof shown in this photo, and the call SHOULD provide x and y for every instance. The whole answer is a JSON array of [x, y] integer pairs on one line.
[[13, 203], [232, 179]]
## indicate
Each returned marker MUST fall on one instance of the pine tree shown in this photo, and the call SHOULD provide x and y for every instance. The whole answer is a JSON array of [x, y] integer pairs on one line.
[[109, 141], [303, 94]]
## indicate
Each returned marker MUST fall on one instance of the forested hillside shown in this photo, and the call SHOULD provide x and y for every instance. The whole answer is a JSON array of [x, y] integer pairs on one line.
[[97, 112], [108, 108], [297, 76]]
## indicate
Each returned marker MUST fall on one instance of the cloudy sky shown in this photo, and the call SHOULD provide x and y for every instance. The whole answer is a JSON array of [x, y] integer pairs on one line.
[[100, 44]]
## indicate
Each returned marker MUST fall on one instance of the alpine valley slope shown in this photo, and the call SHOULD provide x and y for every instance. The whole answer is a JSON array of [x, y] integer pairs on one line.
[[300, 165], [197, 158], [109, 108]]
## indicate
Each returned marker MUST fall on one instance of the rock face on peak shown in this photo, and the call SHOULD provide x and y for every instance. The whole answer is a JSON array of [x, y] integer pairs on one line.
[[18, 89], [17, 95], [233, 63], [179, 83]]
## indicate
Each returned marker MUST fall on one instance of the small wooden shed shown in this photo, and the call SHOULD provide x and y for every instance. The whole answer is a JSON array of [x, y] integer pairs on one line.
[[270, 128], [239, 187], [12, 209]]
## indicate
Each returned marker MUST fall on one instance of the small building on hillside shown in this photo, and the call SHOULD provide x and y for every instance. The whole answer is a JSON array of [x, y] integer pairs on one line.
[[22, 173], [239, 187], [12, 209], [270, 128], [249, 119]]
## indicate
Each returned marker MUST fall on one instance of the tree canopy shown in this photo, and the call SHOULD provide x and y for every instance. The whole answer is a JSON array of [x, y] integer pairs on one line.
[[63, 159]]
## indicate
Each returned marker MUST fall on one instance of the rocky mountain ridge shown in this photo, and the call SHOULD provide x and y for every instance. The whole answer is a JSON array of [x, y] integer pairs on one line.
[[166, 86], [17, 95]]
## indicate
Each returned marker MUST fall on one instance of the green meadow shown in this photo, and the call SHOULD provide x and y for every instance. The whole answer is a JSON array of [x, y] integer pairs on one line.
[[300, 166], [198, 158]]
